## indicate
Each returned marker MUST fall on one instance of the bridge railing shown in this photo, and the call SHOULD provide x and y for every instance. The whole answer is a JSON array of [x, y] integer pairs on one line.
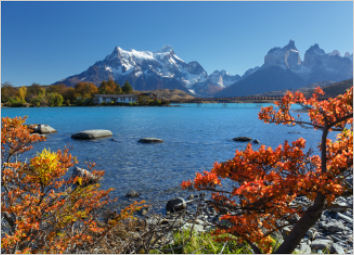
[[232, 99]]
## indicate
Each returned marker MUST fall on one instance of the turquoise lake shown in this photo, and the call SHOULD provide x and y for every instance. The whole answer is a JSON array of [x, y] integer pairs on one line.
[[195, 137]]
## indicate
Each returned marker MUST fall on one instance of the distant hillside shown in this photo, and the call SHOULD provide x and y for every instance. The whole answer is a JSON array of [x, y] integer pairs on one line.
[[304, 90], [265, 79], [171, 94], [335, 89], [330, 88]]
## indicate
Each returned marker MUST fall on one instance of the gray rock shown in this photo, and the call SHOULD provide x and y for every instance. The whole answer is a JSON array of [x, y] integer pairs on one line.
[[176, 204], [92, 134], [144, 211], [87, 175], [337, 249], [336, 238], [345, 218], [132, 193], [190, 197], [323, 238], [150, 140], [321, 244], [294, 132], [340, 201], [42, 129], [333, 225], [303, 249], [255, 141], [277, 236], [242, 139]]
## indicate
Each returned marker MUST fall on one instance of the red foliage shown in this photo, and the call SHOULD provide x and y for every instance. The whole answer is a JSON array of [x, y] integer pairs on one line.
[[269, 179], [44, 212]]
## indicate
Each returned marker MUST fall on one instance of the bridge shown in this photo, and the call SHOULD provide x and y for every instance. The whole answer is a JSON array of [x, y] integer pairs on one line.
[[243, 99]]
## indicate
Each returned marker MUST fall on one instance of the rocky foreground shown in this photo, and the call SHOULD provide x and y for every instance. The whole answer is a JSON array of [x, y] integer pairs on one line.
[[333, 233]]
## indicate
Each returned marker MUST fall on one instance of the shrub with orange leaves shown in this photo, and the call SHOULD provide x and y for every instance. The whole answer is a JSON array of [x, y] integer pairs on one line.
[[269, 180], [41, 210]]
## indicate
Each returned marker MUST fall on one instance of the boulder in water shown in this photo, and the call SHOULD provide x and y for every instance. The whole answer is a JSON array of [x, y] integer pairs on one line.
[[41, 129], [150, 140], [176, 204], [132, 193], [92, 134], [242, 139], [88, 177]]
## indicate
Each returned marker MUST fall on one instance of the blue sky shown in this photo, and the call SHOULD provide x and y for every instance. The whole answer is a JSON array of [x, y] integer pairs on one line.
[[44, 42]]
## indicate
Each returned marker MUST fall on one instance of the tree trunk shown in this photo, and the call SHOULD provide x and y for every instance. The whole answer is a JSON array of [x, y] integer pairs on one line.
[[308, 219]]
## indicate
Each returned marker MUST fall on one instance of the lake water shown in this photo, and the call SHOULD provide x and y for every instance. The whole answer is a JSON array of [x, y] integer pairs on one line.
[[195, 137]]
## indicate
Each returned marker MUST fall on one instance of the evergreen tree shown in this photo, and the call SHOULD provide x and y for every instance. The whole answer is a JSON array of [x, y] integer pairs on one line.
[[118, 89], [127, 88], [102, 89]]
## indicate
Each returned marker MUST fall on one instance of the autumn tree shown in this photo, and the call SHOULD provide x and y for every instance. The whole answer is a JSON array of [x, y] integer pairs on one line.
[[69, 94], [85, 90], [42, 210], [269, 180], [58, 88], [33, 91], [22, 94], [111, 86], [7, 91]]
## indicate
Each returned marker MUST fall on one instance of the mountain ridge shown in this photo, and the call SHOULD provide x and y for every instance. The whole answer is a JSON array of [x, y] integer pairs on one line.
[[284, 69], [163, 69]]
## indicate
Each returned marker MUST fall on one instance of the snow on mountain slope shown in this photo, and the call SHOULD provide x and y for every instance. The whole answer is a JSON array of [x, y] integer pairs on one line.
[[147, 70], [222, 79]]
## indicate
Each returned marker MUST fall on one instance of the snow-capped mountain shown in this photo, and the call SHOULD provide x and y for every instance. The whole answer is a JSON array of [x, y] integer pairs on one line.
[[284, 69], [223, 79], [147, 70], [163, 69], [348, 55]]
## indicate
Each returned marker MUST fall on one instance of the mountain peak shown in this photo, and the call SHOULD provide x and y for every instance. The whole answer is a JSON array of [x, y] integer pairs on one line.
[[316, 49], [166, 48], [290, 46], [117, 49], [334, 53]]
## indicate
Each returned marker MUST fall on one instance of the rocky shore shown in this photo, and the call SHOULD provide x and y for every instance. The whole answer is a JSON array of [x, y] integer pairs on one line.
[[333, 233]]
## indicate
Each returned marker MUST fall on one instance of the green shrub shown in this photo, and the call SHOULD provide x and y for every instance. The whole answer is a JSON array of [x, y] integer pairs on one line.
[[103, 103], [130, 104], [203, 243], [87, 101], [58, 100], [79, 101]]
